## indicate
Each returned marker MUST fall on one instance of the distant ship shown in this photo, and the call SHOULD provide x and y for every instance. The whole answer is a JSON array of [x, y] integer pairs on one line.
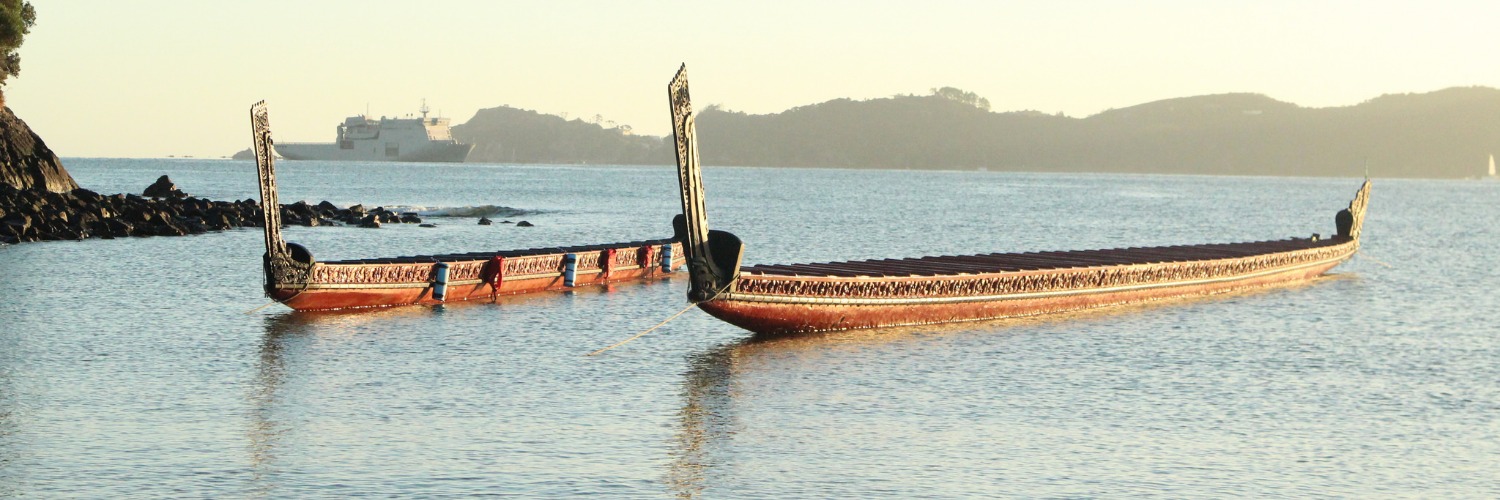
[[390, 139]]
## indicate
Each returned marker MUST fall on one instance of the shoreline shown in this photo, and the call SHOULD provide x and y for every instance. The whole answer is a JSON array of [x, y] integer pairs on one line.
[[28, 215]]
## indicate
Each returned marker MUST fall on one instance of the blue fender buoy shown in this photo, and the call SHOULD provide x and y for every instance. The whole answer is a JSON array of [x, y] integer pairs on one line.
[[440, 282], [570, 268], [666, 258]]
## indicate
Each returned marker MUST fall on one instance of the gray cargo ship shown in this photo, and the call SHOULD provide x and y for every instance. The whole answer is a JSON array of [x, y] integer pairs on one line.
[[389, 139]]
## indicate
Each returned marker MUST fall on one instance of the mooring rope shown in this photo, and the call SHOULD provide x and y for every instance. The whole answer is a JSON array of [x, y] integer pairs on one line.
[[663, 323], [269, 304], [648, 330], [274, 302], [1362, 254]]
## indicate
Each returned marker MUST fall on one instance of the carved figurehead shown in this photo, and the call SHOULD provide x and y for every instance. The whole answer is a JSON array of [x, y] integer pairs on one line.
[[713, 257], [1350, 220], [285, 263]]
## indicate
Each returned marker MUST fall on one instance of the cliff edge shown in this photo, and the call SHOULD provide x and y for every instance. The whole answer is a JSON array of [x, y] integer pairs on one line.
[[26, 162]]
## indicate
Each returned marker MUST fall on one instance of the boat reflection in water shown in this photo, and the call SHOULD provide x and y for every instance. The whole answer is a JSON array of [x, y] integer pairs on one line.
[[284, 361], [741, 401], [266, 432], [719, 381]]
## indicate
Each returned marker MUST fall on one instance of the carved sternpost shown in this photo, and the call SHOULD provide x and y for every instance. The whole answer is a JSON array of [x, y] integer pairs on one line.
[[704, 273], [280, 266], [270, 206], [1357, 209], [689, 174]]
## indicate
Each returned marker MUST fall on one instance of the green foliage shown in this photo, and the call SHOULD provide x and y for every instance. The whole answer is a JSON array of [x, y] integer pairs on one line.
[[16, 19], [962, 96]]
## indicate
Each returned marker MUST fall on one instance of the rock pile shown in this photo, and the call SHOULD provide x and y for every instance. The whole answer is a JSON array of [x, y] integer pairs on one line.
[[163, 188], [37, 215]]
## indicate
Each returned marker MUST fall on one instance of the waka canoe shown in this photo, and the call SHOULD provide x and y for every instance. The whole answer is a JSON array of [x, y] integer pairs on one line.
[[780, 299], [295, 279]]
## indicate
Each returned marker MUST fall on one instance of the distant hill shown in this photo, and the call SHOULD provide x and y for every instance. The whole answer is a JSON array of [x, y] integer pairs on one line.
[[1447, 133], [511, 135]]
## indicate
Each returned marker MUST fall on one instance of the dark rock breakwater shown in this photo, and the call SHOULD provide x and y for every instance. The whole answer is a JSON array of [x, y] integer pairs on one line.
[[38, 215]]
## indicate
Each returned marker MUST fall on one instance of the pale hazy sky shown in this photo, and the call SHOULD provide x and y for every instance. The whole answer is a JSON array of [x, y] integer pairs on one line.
[[151, 78]]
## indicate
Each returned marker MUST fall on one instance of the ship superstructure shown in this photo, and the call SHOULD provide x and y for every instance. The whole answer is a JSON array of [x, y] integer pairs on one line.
[[361, 138]]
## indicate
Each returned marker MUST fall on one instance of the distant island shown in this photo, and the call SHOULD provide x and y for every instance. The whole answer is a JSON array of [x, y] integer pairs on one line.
[[1444, 134], [1448, 133]]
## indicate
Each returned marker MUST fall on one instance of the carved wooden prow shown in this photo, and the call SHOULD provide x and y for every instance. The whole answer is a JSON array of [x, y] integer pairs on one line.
[[713, 257], [284, 263], [1349, 221]]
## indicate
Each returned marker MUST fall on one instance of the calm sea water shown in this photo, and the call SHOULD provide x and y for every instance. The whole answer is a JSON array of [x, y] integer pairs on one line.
[[130, 367]]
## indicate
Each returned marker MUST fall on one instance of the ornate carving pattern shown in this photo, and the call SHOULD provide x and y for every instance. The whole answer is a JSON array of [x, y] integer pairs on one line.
[[375, 273], [542, 264], [260, 131], [292, 272], [689, 175], [282, 270], [370, 274], [465, 271], [701, 269], [279, 266], [588, 261], [1012, 283], [1357, 209]]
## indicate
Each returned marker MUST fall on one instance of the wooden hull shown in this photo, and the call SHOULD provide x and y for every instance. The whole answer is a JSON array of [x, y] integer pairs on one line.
[[1002, 295], [791, 298], [356, 284]]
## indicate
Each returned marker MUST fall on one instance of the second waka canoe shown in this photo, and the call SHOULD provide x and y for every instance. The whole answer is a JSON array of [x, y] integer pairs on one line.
[[295, 279], [780, 299]]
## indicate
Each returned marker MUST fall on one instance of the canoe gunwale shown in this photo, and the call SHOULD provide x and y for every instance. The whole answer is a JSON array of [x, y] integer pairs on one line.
[[335, 286], [804, 299]]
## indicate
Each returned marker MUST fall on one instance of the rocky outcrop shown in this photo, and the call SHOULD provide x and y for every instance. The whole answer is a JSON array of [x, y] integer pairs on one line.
[[36, 215], [26, 162], [33, 215], [163, 188]]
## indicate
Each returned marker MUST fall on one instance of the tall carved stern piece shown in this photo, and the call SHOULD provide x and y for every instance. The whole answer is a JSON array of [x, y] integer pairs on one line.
[[1349, 221], [285, 263], [713, 257]]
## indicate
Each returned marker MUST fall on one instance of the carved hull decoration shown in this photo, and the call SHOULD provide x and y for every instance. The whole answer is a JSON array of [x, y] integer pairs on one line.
[[296, 280], [476, 276], [782, 299]]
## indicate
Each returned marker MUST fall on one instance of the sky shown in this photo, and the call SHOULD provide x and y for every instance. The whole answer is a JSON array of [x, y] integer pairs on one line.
[[157, 78]]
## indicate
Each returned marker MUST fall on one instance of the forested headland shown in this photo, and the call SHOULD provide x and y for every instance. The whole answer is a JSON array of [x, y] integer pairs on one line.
[[1443, 134]]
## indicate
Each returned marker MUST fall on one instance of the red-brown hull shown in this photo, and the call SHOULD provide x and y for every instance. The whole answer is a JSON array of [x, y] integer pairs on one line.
[[355, 284], [343, 298], [782, 315]]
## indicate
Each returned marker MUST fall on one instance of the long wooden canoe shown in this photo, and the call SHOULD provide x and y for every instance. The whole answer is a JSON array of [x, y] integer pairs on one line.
[[779, 299], [295, 279]]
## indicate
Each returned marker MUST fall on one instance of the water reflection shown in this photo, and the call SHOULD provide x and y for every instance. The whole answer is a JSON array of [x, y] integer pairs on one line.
[[286, 338], [265, 432], [708, 421], [8, 446], [724, 386]]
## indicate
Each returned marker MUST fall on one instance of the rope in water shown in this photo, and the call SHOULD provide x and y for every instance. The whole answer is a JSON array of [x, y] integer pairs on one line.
[[1375, 260], [268, 304], [648, 330], [274, 302], [663, 323]]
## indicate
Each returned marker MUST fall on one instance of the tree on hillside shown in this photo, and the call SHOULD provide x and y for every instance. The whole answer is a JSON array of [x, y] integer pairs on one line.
[[16, 18], [962, 96]]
